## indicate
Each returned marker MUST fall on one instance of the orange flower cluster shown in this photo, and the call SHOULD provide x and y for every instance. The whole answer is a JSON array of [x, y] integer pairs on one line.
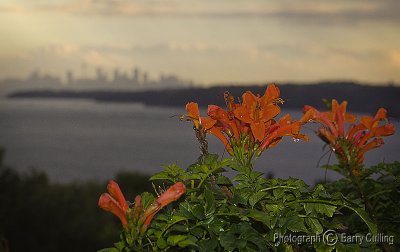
[[114, 202], [250, 124], [349, 147]]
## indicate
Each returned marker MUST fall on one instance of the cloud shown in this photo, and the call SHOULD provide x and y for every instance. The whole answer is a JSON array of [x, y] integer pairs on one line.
[[395, 58], [15, 8], [211, 63], [293, 11]]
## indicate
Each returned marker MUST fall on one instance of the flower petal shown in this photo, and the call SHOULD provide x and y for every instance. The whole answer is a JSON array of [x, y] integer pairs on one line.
[[114, 190], [108, 203], [172, 194], [193, 113], [258, 130]]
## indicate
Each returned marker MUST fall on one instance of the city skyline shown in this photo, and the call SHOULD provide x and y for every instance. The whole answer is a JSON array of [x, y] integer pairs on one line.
[[119, 79], [208, 41]]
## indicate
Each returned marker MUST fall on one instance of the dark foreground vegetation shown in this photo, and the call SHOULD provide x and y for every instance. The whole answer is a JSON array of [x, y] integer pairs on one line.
[[38, 215]]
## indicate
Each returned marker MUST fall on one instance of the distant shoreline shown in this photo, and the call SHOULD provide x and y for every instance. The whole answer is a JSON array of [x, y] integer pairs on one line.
[[361, 98]]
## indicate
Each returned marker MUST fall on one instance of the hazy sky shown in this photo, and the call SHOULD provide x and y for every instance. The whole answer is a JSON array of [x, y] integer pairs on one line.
[[206, 41]]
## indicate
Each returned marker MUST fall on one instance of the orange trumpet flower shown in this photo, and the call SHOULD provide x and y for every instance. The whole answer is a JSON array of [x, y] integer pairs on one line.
[[257, 111], [114, 202], [349, 147], [173, 193]]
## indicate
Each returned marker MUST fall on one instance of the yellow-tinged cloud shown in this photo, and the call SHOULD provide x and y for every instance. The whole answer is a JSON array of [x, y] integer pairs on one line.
[[310, 10], [15, 8], [395, 58]]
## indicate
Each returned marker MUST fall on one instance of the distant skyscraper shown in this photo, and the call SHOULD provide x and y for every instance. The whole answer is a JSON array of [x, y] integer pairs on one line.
[[136, 75], [70, 78], [145, 78], [116, 75], [100, 76]]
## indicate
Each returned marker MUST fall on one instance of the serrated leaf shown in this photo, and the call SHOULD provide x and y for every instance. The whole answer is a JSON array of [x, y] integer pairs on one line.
[[184, 210], [211, 158], [198, 212], [217, 226], [255, 198], [278, 193], [222, 180], [162, 176], [256, 174], [275, 208], [295, 224], [319, 190], [315, 226], [240, 177], [322, 208], [326, 209], [239, 167], [261, 217]]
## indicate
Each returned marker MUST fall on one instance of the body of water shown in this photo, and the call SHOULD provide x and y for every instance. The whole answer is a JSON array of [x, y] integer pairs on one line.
[[84, 140]]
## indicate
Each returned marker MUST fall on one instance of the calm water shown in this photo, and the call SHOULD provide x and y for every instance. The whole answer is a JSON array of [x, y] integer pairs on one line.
[[85, 140]]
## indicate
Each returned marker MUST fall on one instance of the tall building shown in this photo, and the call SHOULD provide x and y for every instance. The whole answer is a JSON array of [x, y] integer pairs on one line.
[[70, 77]]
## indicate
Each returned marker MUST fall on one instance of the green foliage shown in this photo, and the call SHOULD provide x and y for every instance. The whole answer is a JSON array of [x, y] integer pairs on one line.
[[244, 214], [378, 190]]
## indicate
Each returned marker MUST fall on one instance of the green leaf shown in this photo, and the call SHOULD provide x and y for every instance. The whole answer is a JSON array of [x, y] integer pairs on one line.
[[255, 198], [161, 243], [164, 175], [315, 226], [256, 174], [207, 245], [109, 250], [120, 245], [177, 218], [241, 177], [326, 209], [198, 212], [229, 241], [222, 180], [261, 217], [211, 159], [275, 208], [347, 247], [190, 241], [185, 210], [295, 224], [239, 167], [322, 208], [217, 226], [319, 191], [147, 199], [278, 193], [173, 240], [322, 247], [210, 202]]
